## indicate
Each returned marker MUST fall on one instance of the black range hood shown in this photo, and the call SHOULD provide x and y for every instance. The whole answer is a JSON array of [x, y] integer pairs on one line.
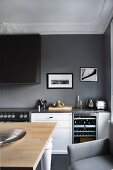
[[20, 58]]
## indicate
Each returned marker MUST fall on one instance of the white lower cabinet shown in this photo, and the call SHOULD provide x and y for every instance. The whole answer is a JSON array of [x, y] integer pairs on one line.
[[61, 139], [103, 124], [62, 135]]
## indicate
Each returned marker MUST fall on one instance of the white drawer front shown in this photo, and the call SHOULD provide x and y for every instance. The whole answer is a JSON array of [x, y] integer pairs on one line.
[[49, 117]]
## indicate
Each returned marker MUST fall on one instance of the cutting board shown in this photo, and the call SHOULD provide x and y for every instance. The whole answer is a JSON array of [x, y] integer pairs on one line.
[[65, 108]]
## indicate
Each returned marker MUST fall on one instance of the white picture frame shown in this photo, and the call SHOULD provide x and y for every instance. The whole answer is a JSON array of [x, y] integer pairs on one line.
[[59, 81], [88, 74]]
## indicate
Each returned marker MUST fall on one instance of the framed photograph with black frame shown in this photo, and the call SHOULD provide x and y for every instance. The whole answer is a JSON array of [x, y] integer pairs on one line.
[[88, 74], [60, 80]]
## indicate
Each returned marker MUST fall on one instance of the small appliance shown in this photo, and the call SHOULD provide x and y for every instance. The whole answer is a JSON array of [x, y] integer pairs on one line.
[[101, 104], [90, 103], [41, 104]]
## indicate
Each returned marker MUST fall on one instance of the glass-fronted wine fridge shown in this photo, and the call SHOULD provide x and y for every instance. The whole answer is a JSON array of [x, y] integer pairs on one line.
[[84, 127]]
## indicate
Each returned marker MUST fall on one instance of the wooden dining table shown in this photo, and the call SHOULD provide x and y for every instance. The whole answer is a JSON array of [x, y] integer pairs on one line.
[[26, 153]]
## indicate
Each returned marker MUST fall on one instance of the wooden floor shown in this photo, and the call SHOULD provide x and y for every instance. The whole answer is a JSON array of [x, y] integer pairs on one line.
[[59, 162]]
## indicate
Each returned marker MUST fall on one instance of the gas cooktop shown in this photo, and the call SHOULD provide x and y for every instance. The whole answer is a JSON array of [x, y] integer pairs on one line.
[[15, 114]]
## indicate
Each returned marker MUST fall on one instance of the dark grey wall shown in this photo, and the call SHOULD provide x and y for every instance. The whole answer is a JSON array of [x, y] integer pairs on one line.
[[108, 66], [61, 54]]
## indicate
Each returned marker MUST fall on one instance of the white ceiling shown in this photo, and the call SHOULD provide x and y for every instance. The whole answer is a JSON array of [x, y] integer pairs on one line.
[[57, 16]]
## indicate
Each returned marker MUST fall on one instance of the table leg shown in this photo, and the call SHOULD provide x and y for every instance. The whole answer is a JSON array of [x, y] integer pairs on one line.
[[46, 158]]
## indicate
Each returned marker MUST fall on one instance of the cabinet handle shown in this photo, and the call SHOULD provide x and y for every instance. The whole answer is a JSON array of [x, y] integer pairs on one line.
[[50, 117]]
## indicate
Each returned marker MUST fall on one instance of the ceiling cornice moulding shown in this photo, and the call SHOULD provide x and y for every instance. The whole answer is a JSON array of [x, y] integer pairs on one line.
[[45, 29]]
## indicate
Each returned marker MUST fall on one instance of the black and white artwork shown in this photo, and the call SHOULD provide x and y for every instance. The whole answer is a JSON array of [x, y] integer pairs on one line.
[[60, 80], [88, 74]]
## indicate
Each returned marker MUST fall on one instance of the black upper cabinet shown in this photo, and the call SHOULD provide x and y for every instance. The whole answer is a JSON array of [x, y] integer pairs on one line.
[[20, 58]]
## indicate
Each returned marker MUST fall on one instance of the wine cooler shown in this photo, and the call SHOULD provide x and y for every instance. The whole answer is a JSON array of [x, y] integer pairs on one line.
[[84, 128]]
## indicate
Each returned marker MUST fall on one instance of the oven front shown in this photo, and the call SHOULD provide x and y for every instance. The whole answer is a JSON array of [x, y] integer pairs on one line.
[[14, 115]]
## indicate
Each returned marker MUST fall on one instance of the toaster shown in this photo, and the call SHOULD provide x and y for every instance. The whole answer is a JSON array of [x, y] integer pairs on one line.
[[100, 104]]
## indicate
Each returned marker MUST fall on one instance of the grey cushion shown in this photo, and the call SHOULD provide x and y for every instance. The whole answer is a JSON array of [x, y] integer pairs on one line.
[[111, 138], [103, 162], [87, 149]]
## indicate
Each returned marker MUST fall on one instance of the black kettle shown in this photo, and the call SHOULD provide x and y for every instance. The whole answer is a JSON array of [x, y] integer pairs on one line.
[[90, 103]]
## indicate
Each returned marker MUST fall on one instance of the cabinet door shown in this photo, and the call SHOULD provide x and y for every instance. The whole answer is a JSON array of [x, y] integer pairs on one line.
[[61, 138], [103, 124]]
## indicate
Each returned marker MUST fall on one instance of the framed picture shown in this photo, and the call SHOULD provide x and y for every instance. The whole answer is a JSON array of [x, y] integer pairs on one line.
[[88, 74], [59, 80]]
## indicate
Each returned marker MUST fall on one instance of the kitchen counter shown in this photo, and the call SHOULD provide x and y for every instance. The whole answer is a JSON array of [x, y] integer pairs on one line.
[[74, 110], [26, 153], [47, 111]]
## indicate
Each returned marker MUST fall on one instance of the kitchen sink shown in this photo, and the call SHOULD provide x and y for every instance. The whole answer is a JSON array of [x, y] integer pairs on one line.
[[11, 135]]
